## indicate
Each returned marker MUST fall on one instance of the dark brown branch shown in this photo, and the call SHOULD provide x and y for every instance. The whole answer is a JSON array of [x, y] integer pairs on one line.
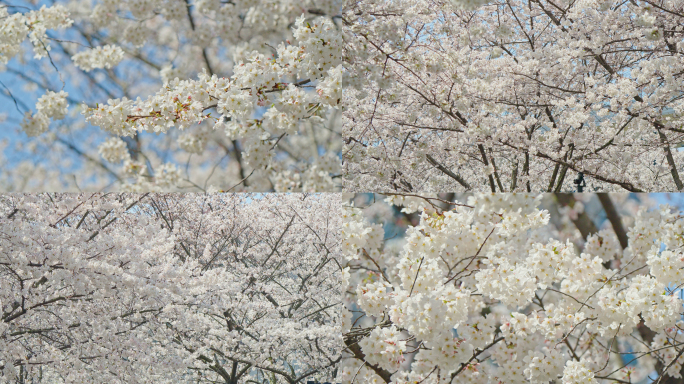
[[614, 218], [582, 222], [447, 172], [355, 349]]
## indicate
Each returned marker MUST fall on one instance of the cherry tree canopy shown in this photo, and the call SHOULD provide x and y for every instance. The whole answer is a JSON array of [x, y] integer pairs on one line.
[[169, 288], [513, 95], [144, 95], [498, 289]]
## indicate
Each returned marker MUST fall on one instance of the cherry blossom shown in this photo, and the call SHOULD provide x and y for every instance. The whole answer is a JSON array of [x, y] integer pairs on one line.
[[513, 95], [169, 288], [237, 96], [512, 288]]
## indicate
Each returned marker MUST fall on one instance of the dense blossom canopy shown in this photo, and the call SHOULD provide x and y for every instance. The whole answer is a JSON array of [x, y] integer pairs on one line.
[[513, 95], [169, 288], [172, 94], [498, 289]]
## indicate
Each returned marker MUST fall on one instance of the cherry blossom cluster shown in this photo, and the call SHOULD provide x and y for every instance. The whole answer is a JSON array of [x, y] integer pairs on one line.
[[237, 95], [17, 27], [255, 83], [79, 273], [106, 56], [14, 30], [275, 283], [169, 288], [513, 95], [511, 288], [52, 105]]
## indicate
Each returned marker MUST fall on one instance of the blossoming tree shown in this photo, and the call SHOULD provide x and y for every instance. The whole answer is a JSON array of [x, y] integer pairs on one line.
[[496, 289], [172, 94], [169, 288], [513, 95]]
